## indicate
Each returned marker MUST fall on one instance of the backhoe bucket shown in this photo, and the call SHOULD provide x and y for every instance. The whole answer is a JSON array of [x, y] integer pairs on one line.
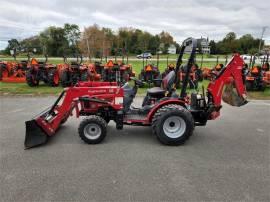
[[231, 97], [34, 135]]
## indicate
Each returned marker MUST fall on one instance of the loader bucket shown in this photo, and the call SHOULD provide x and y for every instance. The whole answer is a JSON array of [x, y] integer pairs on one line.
[[38, 130], [231, 97], [34, 135]]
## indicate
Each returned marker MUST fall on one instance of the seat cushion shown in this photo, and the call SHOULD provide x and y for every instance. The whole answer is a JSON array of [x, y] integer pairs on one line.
[[156, 91]]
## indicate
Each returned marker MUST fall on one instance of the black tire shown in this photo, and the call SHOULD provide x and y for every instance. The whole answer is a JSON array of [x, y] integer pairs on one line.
[[31, 78], [52, 73], [107, 119], [65, 81], [84, 76], [249, 86], [92, 124], [158, 83], [179, 113], [1, 72], [262, 87], [140, 78]]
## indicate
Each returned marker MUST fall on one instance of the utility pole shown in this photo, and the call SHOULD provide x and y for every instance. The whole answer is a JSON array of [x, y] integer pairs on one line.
[[260, 44]]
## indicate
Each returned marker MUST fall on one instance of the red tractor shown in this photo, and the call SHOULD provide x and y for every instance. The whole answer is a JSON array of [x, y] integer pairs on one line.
[[42, 71], [172, 117]]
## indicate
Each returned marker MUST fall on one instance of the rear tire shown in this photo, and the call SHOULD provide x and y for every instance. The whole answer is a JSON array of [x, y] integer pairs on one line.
[[92, 130], [65, 81], [249, 85], [53, 77], [173, 124], [31, 78]]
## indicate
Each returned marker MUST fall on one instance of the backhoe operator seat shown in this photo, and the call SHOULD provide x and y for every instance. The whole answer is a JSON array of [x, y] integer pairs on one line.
[[167, 85]]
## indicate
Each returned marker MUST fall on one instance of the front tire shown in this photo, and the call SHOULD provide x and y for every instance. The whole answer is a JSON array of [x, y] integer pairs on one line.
[[92, 130], [173, 124]]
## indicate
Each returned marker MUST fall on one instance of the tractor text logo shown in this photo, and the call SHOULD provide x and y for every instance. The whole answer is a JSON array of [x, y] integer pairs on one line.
[[97, 91]]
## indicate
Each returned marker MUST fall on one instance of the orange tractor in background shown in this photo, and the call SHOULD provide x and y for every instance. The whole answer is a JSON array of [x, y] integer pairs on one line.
[[258, 76], [75, 71], [170, 67], [117, 72], [195, 75], [207, 72], [14, 72], [266, 74], [42, 71], [254, 79]]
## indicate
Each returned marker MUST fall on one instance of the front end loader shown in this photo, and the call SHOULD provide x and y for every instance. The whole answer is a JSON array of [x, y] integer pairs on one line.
[[172, 116]]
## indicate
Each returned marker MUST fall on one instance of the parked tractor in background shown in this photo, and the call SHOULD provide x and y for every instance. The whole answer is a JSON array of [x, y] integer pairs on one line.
[[150, 74], [254, 79], [170, 67], [195, 76], [257, 77], [266, 74], [14, 72], [73, 72], [117, 72], [42, 71]]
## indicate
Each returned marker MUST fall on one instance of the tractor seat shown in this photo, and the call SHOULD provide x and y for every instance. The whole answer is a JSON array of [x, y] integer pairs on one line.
[[156, 91], [167, 85]]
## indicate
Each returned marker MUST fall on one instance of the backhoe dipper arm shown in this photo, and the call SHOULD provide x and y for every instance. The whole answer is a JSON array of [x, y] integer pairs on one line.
[[230, 76]]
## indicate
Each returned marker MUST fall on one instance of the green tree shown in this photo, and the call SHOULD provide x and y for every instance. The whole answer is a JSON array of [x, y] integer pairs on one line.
[[32, 42], [13, 44], [166, 39], [54, 41], [213, 47], [72, 34]]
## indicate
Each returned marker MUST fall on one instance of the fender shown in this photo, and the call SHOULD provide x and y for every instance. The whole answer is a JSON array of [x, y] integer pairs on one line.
[[163, 103]]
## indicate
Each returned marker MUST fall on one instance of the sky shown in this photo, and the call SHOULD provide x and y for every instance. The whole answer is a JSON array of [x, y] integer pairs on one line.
[[181, 18]]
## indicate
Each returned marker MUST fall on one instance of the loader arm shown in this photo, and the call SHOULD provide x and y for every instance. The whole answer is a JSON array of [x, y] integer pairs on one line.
[[231, 77], [48, 122]]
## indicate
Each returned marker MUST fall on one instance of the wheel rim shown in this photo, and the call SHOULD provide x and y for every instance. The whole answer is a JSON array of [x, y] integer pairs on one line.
[[174, 127], [92, 131]]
